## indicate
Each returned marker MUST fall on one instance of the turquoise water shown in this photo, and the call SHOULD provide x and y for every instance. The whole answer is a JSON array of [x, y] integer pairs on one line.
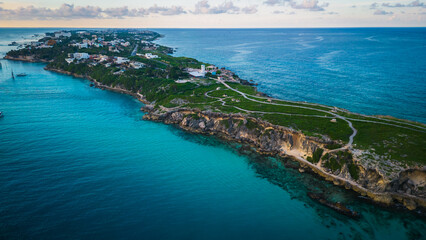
[[79, 163], [368, 70]]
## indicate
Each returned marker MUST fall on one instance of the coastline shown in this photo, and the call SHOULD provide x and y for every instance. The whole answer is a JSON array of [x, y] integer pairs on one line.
[[386, 198]]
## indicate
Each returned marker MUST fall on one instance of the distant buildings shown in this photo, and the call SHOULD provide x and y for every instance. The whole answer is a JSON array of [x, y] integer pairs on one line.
[[62, 34]]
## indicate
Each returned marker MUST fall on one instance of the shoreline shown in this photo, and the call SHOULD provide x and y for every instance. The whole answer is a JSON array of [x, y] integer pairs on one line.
[[386, 198]]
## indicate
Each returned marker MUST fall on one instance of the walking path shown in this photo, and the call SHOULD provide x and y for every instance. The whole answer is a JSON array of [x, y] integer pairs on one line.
[[346, 119]]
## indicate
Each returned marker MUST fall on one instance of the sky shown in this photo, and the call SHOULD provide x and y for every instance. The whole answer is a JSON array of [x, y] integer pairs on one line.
[[212, 13]]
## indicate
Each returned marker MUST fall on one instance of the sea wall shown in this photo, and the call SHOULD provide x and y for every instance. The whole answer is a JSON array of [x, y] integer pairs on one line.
[[266, 138]]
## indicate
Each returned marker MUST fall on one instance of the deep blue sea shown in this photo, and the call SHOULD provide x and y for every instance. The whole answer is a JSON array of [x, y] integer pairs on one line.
[[79, 163]]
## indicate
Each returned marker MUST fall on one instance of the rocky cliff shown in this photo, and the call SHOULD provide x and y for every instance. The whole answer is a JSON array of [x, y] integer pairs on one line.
[[340, 167]]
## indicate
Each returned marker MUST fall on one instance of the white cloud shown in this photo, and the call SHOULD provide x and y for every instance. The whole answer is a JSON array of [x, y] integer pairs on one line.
[[250, 9], [69, 11], [416, 3], [311, 5], [382, 12], [203, 7]]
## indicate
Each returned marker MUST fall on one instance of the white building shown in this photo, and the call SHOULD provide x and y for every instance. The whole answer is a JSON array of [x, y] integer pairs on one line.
[[150, 56], [137, 65], [121, 60], [80, 45], [197, 72], [80, 56], [126, 44]]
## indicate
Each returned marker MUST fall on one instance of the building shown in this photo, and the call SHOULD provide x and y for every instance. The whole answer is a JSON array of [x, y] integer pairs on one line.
[[80, 45], [80, 56], [137, 65], [126, 44], [197, 72], [69, 60], [211, 68], [121, 60], [150, 56]]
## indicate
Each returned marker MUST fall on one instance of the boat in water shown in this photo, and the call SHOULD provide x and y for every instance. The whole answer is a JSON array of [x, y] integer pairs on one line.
[[21, 75], [13, 44]]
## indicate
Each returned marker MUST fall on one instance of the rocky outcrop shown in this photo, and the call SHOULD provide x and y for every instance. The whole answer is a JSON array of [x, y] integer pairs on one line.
[[339, 167], [25, 58]]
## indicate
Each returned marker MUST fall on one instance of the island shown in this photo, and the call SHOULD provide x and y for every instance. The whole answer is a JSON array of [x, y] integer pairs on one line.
[[380, 157]]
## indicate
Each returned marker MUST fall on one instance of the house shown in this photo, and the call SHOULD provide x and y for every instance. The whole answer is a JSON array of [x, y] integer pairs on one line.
[[211, 68], [80, 45], [121, 60], [80, 56], [136, 65], [69, 60], [150, 56], [103, 58], [126, 44]]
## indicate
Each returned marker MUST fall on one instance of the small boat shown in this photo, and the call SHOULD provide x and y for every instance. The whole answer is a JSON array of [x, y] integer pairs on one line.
[[13, 44], [21, 75], [13, 76]]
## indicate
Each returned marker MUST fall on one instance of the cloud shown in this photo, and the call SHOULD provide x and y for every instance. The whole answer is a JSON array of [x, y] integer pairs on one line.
[[167, 11], [276, 2], [311, 5], [69, 11], [374, 5], [416, 3], [203, 7], [250, 9], [382, 12], [283, 12]]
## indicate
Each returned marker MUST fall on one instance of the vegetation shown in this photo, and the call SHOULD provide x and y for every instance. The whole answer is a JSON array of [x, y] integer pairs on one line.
[[157, 83]]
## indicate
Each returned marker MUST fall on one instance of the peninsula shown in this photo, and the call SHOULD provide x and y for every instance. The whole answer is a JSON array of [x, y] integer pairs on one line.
[[380, 157]]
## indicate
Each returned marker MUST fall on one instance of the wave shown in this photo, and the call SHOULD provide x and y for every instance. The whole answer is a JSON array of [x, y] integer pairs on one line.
[[372, 39]]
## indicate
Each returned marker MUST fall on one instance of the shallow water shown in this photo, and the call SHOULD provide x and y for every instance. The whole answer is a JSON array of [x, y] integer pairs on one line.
[[79, 163]]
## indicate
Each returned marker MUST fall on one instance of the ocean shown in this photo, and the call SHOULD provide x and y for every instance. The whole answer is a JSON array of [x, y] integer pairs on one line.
[[374, 71], [78, 162]]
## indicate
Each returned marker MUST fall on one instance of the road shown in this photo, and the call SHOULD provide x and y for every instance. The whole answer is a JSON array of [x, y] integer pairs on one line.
[[134, 51]]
